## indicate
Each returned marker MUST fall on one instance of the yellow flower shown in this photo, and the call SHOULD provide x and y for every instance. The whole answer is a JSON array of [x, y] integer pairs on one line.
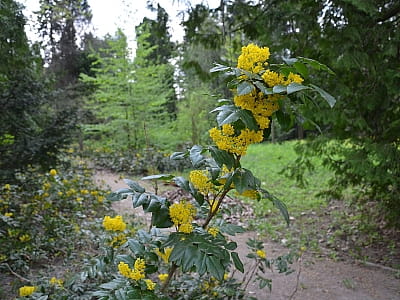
[[114, 224], [46, 185], [182, 213], [164, 256], [84, 192], [55, 281], [200, 181], [26, 290], [261, 254], [100, 199], [294, 78], [253, 58], [226, 276], [237, 144], [8, 215], [94, 193], [24, 238], [185, 228], [53, 172], [136, 273], [163, 277], [150, 284], [213, 231], [118, 240], [79, 199], [7, 186], [60, 194]]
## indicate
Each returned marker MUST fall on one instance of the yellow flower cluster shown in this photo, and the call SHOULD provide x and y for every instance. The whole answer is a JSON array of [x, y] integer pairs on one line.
[[261, 254], [150, 284], [261, 107], [55, 281], [235, 144], [26, 290], [114, 224], [118, 240], [201, 181], [182, 214], [253, 58], [164, 255], [53, 172], [213, 231], [136, 273], [25, 238], [272, 78], [163, 277]]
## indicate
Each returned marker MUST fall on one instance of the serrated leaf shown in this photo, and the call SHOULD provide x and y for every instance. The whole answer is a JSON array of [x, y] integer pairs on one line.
[[115, 196], [295, 87], [228, 115], [245, 88], [328, 97], [237, 262], [158, 176], [248, 119], [244, 180], [134, 185], [316, 64], [161, 219], [279, 204], [136, 247], [231, 246]]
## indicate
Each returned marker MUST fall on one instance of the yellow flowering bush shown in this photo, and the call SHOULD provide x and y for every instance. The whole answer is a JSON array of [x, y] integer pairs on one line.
[[262, 91]]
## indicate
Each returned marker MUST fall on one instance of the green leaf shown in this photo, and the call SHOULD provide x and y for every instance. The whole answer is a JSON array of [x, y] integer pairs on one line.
[[196, 156], [244, 180], [227, 114], [214, 267], [178, 155], [245, 88], [329, 98], [154, 204], [231, 246], [237, 262], [231, 229], [116, 196], [136, 247], [301, 68], [279, 204], [161, 219], [158, 176], [265, 90], [289, 61], [278, 89], [247, 117], [219, 68], [316, 65], [182, 182], [134, 185], [284, 119], [295, 87], [222, 157]]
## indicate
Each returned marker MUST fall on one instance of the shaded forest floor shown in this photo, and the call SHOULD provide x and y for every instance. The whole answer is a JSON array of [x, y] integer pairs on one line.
[[315, 276]]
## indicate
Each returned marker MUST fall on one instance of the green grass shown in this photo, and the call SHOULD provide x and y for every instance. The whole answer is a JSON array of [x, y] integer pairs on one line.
[[267, 161]]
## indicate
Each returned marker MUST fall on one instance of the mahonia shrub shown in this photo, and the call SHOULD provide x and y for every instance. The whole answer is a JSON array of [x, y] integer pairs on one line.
[[48, 219], [194, 257]]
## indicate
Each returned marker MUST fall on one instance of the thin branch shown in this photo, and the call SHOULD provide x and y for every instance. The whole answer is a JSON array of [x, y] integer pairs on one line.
[[15, 274], [297, 281]]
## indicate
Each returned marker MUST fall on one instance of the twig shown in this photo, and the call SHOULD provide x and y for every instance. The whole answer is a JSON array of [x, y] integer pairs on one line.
[[15, 274], [171, 272], [297, 280]]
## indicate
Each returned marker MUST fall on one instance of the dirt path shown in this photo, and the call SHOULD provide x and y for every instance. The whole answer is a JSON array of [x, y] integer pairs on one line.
[[319, 278]]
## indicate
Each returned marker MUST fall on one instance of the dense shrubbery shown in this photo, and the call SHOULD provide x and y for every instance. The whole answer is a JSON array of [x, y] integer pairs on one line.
[[47, 215]]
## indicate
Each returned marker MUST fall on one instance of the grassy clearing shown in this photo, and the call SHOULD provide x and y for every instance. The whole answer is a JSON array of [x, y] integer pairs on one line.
[[267, 162]]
